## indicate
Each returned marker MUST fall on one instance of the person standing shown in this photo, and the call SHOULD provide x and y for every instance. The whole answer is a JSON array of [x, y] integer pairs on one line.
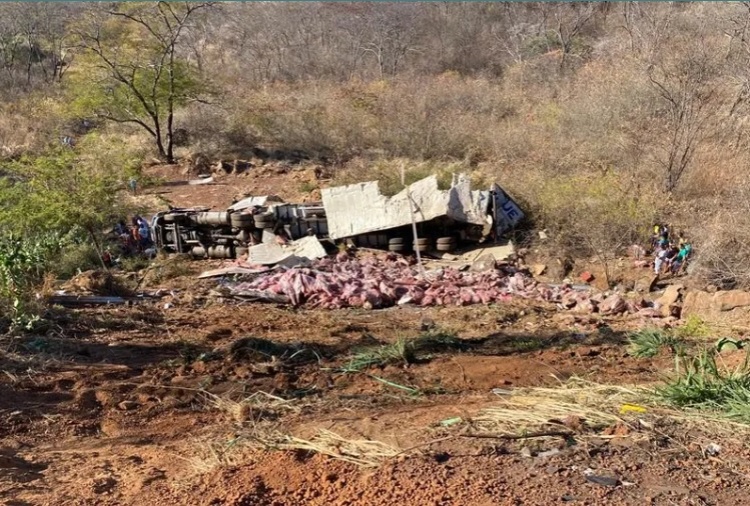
[[661, 255], [681, 258]]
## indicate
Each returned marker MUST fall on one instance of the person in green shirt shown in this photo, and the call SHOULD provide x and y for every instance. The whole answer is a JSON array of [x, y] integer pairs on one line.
[[679, 261]]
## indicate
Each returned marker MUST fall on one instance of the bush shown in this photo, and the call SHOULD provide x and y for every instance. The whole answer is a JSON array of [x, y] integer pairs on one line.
[[589, 214], [75, 258], [23, 262]]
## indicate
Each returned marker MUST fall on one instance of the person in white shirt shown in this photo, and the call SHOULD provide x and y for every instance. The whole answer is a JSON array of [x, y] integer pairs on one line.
[[661, 255]]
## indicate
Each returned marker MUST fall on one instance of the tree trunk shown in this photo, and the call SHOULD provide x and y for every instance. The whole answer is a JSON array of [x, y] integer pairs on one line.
[[170, 136], [98, 247]]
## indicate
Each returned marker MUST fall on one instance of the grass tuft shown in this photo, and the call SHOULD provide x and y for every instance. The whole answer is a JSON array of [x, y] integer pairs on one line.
[[404, 350], [648, 343], [253, 408], [704, 384]]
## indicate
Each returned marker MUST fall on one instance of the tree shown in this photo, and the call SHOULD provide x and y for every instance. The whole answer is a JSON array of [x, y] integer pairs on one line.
[[132, 68], [688, 90], [33, 43]]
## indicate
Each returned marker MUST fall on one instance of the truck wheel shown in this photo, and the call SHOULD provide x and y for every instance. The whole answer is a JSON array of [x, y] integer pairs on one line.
[[241, 220], [265, 220], [446, 244]]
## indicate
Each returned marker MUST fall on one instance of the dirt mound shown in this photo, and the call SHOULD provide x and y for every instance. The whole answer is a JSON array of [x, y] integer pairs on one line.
[[99, 282]]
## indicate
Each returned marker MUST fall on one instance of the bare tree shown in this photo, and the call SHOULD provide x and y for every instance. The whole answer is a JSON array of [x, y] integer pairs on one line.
[[142, 82], [34, 42], [687, 87]]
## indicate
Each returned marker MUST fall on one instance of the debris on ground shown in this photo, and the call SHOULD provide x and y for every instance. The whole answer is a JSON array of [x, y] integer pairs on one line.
[[379, 281], [299, 252], [601, 479], [231, 271], [71, 300]]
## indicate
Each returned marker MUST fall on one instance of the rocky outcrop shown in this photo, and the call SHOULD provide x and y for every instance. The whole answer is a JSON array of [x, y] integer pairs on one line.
[[729, 305], [726, 301]]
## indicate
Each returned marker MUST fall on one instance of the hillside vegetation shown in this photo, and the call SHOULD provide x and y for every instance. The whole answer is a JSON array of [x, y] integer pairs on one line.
[[599, 118]]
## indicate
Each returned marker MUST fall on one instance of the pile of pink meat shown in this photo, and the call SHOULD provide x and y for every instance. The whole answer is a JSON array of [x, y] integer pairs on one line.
[[383, 281]]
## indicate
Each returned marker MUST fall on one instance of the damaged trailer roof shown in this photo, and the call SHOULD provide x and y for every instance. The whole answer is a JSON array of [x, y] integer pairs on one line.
[[361, 208]]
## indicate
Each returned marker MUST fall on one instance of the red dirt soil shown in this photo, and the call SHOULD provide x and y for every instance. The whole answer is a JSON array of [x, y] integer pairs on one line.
[[130, 405]]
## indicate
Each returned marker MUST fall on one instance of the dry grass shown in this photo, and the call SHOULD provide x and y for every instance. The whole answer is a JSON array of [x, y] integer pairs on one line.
[[596, 405], [584, 408], [535, 408], [253, 408], [360, 452]]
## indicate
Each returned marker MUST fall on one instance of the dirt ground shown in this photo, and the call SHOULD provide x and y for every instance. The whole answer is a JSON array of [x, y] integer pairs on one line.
[[192, 399], [139, 405]]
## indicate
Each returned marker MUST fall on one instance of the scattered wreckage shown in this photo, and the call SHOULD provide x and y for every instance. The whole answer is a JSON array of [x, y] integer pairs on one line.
[[272, 232], [380, 280]]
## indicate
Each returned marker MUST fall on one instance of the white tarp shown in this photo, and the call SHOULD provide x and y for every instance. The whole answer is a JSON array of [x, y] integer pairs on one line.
[[297, 252], [361, 208]]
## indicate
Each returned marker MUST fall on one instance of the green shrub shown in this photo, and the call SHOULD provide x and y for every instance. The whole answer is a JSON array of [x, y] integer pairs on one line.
[[75, 258], [23, 263], [648, 343], [704, 384]]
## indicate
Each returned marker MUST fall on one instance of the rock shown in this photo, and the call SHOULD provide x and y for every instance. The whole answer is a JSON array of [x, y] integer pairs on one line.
[[670, 295], [712, 450], [670, 310], [538, 269], [726, 301], [585, 306], [696, 302], [604, 479], [645, 284], [127, 405], [569, 300], [614, 304], [586, 277], [484, 263], [649, 312]]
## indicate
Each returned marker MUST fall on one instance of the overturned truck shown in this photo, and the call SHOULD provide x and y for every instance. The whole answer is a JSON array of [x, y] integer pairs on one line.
[[358, 214]]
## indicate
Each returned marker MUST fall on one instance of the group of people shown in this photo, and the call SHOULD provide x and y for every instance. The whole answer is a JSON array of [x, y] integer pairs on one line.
[[671, 254], [135, 238]]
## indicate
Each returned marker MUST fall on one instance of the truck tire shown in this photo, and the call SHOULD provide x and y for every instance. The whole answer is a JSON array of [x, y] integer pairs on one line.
[[421, 241], [446, 244], [241, 220], [445, 247], [265, 220]]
